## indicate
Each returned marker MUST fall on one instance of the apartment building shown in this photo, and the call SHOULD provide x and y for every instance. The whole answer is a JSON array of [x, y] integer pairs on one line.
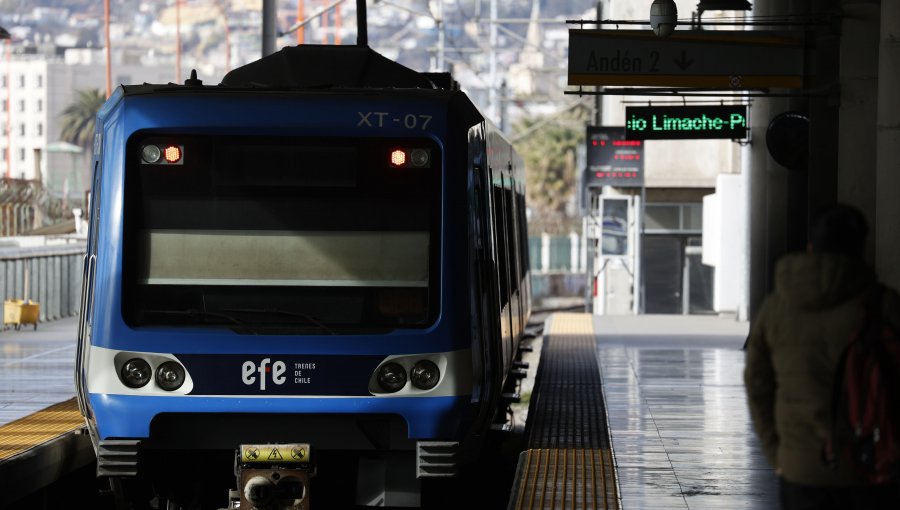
[[35, 88]]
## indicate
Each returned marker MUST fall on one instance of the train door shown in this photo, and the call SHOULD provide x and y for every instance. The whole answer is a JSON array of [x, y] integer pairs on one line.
[[663, 273], [487, 347], [502, 250], [512, 241], [85, 319], [524, 256]]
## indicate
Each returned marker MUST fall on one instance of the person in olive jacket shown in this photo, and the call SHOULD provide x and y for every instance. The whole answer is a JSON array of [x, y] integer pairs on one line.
[[792, 355]]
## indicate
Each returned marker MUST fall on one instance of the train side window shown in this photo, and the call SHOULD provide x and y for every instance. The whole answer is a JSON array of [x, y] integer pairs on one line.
[[500, 236], [512, 241], [478, 216], [523, 237]]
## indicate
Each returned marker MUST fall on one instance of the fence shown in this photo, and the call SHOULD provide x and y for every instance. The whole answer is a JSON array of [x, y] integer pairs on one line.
[[49, 275], [557, 267]]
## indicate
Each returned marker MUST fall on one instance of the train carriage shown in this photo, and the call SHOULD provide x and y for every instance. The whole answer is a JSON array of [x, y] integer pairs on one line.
[[316, 270]]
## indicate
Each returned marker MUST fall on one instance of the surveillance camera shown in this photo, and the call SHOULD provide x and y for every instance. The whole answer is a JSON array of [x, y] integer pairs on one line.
[[663, 17]]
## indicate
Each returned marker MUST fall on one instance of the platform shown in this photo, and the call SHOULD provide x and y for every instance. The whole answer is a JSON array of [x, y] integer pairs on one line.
[[37, 368], [679, 429], [41, 437]]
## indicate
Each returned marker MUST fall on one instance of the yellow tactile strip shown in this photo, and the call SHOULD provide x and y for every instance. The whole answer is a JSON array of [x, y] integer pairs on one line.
[[38, 428], [570, 478], [572, 324], [569, 464], [567, 408]]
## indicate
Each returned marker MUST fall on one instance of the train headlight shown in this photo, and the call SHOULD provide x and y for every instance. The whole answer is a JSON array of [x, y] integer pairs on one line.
[[425, 375], [391, 377], [170, 375], [419, 158], [136, 373], [151, 154]]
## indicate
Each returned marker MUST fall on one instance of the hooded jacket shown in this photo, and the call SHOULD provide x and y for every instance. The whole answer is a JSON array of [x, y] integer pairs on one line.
[[793, 351]]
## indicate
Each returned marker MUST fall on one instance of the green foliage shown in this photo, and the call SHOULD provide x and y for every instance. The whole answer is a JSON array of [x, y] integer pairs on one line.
[[548, 145], [78, 119]]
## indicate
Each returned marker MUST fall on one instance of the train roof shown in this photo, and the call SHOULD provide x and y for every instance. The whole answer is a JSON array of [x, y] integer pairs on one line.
[[316, 67]]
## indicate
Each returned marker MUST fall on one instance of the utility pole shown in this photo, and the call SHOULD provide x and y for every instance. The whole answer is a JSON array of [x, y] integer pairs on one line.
[[362, 38], [300, 31], [337, 24], [504, 108], [108, 50], [362, 24], [269, 33], [598, 99], [492, 73], [442, 28], [177, 41], [7, 44]]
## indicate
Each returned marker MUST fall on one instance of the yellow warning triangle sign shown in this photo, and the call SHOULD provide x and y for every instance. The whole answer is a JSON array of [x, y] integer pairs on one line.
[[275, 455]]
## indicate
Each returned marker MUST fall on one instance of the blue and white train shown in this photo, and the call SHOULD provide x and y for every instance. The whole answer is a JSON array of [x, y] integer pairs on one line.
[[315, 270]]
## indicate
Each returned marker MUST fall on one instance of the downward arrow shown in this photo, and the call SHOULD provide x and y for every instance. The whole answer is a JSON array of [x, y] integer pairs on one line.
[[683, 63]]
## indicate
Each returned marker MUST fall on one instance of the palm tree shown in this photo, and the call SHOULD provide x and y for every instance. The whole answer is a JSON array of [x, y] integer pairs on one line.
[[78, 119], [77, 127]]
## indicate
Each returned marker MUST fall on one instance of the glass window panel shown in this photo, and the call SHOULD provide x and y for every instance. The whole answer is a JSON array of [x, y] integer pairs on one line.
[[662, 217], [693, 217], [615, 227]]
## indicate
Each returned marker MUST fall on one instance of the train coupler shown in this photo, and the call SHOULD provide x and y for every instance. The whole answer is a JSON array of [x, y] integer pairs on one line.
[[273, 476]]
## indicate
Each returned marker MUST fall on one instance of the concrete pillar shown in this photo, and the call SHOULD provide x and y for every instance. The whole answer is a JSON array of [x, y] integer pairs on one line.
[[824, 119], [859, 104], [781, 199], [887, 207]]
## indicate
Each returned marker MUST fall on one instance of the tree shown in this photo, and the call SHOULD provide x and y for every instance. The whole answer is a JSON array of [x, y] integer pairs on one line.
[[78, 118], [548, 146], [77, 127]]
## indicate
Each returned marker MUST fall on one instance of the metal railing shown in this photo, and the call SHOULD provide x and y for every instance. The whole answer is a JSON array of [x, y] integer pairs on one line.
[[49, 275]]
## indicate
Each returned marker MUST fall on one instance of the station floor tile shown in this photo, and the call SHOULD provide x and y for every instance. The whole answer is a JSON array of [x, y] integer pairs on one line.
[[679, 424]]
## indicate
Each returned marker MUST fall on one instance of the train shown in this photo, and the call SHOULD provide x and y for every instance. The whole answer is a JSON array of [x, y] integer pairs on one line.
[[311, 278]]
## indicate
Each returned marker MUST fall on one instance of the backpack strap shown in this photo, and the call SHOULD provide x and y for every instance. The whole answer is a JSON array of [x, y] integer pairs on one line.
[[872, 312]]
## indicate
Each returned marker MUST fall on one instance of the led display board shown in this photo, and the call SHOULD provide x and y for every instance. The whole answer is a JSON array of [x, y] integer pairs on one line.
[[612, 160], [685, 122]]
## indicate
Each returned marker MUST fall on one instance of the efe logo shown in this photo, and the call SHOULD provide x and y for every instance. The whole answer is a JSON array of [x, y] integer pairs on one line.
[[277, 369]]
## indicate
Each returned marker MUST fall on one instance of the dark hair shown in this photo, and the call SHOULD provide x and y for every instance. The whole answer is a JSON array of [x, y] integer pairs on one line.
[[838, 228]]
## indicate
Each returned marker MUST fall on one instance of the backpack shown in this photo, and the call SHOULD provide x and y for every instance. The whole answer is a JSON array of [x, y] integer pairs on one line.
[[866, 398]]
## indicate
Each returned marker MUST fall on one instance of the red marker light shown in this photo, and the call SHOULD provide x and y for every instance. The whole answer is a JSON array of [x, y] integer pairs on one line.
[[172, 153], [398, 157]]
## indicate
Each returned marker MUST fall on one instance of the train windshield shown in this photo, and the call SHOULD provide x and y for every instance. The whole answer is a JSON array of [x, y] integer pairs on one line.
[[281, 235]]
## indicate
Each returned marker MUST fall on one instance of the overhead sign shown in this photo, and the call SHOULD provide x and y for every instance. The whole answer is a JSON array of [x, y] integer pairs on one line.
[[708, 59], [685, 122], [612, 160]]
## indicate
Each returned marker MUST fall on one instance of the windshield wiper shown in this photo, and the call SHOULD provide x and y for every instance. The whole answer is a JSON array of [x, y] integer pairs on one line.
[[275, 311], [193, 312]]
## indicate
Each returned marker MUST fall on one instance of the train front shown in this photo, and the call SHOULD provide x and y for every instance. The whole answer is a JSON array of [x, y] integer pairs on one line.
[[264, 292]]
